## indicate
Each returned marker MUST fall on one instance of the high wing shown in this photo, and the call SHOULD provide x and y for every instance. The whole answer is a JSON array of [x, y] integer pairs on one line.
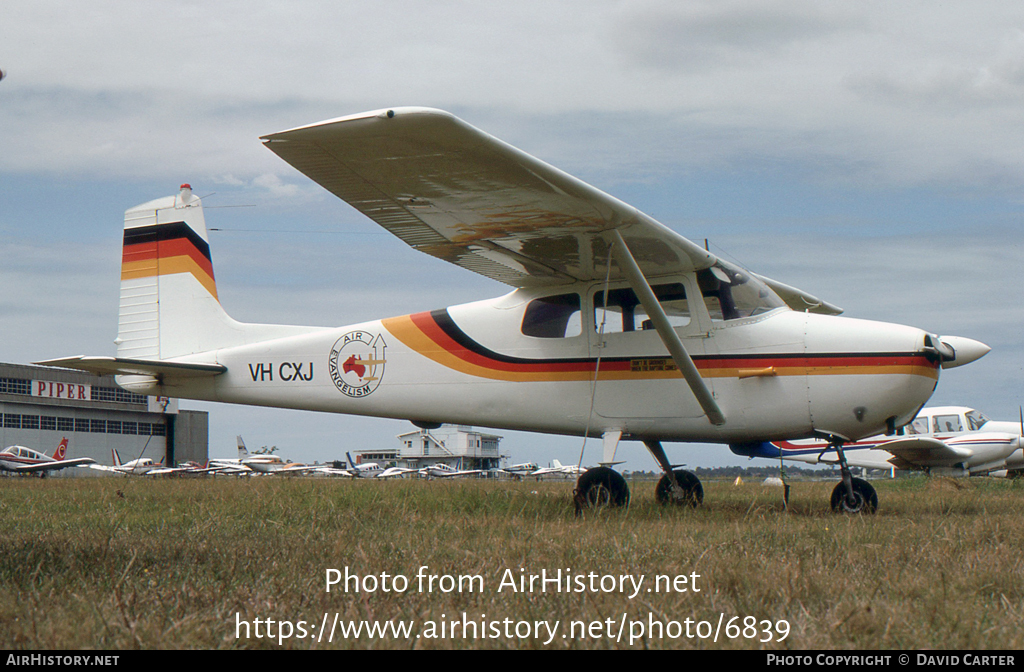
[[452, 191], [924, 452]]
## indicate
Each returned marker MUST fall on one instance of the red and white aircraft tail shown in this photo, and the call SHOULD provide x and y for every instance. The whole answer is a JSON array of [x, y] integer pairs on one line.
[[61, 451]]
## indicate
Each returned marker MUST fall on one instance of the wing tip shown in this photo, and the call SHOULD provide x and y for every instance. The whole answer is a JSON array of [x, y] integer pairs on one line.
[[384, 113]]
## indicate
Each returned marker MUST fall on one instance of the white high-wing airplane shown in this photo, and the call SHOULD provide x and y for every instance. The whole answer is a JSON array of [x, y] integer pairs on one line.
[[22, 460], [258, 463], [941, 440], [141, 465], [617, 326], [564, 470]]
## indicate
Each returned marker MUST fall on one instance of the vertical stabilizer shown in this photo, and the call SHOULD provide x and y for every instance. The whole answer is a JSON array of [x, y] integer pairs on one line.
[[168, 292], [62, 450], [169, 305]]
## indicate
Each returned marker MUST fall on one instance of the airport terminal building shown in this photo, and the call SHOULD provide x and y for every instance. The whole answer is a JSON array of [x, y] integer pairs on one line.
[[41, 405]]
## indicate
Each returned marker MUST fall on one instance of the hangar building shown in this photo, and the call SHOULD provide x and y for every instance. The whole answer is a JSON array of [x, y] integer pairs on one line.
[[41, 405]]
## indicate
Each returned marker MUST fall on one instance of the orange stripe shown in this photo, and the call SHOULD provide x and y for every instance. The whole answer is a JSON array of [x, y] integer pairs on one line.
[[169, 266], [421, 334]]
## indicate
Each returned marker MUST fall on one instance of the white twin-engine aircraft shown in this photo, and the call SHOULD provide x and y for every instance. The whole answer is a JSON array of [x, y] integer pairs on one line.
[[941, 440], [618, 326]]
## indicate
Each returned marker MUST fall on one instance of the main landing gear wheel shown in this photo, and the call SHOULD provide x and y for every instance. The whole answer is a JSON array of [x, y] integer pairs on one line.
[[689, 493], [865, 500], [600, 487]]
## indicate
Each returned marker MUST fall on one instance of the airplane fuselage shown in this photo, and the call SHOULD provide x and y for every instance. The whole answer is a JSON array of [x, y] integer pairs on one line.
[[778, 375]]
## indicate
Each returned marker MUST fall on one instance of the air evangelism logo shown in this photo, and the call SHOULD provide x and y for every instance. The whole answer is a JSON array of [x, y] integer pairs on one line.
[[357, 363]]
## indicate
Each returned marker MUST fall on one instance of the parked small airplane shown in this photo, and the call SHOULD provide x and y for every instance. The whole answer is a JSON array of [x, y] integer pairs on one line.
[[259, 463], [617, 327], [521, 469], [395, 472], [141, 465], [184, 469], [559, 469], [366, 469], [22, 460], [442, 470], [941, 440]]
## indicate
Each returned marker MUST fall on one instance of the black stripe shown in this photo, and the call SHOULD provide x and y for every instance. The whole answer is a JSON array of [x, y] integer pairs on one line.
[[444, 320], [171, 231]]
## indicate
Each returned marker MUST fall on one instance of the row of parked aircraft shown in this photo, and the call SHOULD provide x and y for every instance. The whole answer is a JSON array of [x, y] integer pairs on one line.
[[19, 459], [941, 440], [617, 326]]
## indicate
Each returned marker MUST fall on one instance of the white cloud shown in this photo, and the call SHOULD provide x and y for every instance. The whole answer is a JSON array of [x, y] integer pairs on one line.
[[875, 92]]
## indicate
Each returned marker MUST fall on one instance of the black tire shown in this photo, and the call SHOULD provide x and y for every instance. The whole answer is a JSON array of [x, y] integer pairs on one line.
[[600, 487], [692, 493], [865, 498]]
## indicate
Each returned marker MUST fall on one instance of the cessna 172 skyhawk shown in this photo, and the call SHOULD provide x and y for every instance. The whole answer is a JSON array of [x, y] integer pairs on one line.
[[617, 326]]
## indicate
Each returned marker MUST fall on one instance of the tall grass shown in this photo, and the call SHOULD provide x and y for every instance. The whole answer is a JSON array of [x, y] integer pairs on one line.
[[145, 563]]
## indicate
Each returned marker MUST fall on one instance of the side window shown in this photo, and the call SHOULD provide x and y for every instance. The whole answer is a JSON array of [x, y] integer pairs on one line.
[[553, 317], [918, 426], [625, 313], [948, 423]]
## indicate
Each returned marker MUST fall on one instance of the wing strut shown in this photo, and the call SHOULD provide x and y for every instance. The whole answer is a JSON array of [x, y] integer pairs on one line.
[[668, 335]]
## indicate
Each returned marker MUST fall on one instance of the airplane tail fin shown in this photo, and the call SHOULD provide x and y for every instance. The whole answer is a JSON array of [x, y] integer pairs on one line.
[[116, 457], [242, 451], [62, 450], [169, 304], [351, 462], [557, 464]]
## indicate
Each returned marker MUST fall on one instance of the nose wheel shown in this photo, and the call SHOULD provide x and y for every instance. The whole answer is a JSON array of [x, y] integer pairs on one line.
[[864, 500], [851, 495]]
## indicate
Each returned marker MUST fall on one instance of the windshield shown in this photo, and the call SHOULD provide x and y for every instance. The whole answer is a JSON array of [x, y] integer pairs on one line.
[[731, 293], [975, 420]]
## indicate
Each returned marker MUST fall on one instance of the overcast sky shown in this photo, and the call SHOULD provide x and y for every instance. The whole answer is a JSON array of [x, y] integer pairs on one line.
[[869, 153]]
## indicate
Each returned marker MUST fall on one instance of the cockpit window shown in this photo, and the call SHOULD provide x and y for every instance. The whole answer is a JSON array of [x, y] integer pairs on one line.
[[625, 312], [554, 317], [975, 420], [731, 293]]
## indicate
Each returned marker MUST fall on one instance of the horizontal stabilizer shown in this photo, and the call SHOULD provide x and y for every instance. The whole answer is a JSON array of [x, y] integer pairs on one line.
[[136, 367]]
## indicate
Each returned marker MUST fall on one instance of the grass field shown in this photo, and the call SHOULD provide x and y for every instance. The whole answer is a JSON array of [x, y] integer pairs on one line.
[[134, 563]]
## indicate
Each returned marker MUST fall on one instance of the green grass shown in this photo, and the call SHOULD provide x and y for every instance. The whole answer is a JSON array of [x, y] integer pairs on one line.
[[137, 563]]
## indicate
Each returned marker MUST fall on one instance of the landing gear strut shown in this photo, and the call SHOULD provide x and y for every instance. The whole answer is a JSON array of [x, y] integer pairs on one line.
[[677, 486], [852, 495]]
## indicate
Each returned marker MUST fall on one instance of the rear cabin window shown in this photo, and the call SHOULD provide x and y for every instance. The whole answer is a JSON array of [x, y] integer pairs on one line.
[[948, 423], [625, 313], [553, 317], [918, 426]]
